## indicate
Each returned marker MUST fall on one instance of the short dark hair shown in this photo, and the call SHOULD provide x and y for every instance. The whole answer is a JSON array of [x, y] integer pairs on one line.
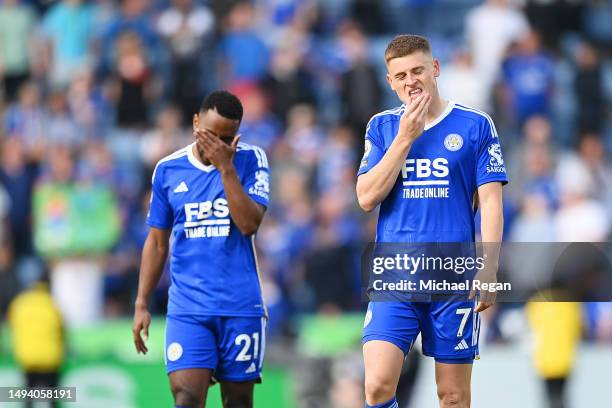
[[225, 103], [406, 44]]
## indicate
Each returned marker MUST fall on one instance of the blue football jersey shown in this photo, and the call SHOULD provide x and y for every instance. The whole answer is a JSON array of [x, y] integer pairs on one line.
[[432, 199], [213, 265]]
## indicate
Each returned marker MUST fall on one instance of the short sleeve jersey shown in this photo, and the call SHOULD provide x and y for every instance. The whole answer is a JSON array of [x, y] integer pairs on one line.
[[213, 265], [433, 196]]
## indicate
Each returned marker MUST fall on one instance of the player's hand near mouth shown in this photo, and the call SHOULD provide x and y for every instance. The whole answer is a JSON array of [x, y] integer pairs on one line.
[[412, 122], [374, 186]]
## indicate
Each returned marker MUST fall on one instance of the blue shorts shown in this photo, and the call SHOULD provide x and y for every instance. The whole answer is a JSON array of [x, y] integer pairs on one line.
[[449, 330], [233, 347]]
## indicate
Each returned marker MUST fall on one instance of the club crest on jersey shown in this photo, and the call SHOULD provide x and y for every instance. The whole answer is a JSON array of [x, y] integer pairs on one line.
[[174, 352], [453, 142], [496, 162]]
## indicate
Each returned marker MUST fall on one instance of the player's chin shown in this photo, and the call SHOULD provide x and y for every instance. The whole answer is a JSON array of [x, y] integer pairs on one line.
[[405, 98]]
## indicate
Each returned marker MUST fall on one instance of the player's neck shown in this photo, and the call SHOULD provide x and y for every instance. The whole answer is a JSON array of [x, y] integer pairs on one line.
[[436, 108]]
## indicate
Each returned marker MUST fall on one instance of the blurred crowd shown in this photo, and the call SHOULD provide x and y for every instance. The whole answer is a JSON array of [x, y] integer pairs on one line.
[[95, 92]]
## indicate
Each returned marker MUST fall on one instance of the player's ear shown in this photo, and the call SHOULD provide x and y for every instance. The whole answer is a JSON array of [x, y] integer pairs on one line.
[[195, 121], [389, 81], [436, 67]]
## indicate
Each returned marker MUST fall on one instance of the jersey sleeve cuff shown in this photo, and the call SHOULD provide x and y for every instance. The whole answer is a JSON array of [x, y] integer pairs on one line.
[[259, 200], [158, 225], [503, 180], [362, 171]]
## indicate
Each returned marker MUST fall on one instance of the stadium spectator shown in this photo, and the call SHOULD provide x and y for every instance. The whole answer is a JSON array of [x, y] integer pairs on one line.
[[7, 276], [133, 17], [132, 82], [556, 329], [186, 29], [580, 216], [589, 89], [330, 266], [66, 40], [60, 127], [17, 22], [535, 155], [288, 83], [593, 154], [528, 79], [88, 105], [26, 117], [17, 176], [243, 55], [259, 126], [462, 83], [167, 137], [38, 337], [360, 90], [490, 28], [554, 19], [73, 225], [346, 389], [288, 235], [303, 136], [338, 158]]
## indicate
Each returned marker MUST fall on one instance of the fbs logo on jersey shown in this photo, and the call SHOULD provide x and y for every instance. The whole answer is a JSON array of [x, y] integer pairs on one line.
[[425, 178], [453, 142], [199, 221], [181, 188], [496, 161]]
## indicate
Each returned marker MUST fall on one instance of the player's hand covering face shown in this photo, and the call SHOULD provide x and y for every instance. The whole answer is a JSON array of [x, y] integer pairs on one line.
[[413, 75], [412, 122], [216, 138]]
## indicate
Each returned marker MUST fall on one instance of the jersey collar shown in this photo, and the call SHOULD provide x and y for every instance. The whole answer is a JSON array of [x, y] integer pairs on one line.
[[197, 163], [449, 107]]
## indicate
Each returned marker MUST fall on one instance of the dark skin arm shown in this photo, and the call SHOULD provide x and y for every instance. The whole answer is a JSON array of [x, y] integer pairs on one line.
[[154, 254], [246, 213]]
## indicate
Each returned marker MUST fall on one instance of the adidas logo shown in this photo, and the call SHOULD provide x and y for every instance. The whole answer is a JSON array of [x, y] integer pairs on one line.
[[182, 188], [252, 368], [462, 345]]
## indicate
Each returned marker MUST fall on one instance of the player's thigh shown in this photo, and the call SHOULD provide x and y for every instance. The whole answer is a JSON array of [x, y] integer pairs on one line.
[[242, 344], [237, 394], [453, 382], [190, 386], [383, 363], [390, 329]]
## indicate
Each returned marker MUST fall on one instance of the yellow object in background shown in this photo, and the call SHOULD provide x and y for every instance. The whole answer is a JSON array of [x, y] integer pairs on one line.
[[37, 330], [557, 330]]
